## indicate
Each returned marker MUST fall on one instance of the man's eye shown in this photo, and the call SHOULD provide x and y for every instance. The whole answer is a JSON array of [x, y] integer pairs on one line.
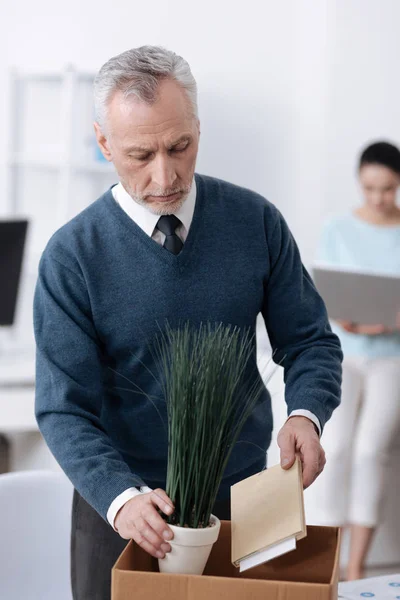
[[180, 148]]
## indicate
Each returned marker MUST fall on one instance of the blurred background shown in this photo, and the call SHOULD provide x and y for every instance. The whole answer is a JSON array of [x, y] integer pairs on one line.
[[289, 92]]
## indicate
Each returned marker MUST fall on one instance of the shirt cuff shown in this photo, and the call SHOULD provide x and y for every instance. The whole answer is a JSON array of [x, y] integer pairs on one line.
[[309, 415], [122, 499]]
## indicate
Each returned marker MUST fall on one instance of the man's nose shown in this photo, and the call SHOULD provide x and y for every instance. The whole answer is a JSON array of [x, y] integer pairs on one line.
[[163, 175]]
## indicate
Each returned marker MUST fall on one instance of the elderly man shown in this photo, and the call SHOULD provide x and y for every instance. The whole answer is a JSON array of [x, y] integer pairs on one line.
[[163, 244]]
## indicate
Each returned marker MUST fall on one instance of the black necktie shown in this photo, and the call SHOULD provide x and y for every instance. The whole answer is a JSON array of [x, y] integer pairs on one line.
[[167, 224]]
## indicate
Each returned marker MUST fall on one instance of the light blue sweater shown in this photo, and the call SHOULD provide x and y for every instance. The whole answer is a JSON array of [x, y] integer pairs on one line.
[[351, 243], [104, 289]]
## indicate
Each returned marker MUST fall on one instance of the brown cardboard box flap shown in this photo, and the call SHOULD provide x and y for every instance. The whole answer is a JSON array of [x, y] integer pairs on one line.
[[308, 573]]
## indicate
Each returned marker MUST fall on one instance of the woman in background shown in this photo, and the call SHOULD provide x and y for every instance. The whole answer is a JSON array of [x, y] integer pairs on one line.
[[357, 440]]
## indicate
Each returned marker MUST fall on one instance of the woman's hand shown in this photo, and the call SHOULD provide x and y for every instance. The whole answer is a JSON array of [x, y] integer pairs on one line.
[[364, 329]]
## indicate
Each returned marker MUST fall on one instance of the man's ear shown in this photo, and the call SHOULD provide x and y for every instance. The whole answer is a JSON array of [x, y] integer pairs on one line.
[[102, 142]]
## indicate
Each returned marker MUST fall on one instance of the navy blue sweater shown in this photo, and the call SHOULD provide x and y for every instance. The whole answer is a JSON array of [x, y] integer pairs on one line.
[[103, 291]]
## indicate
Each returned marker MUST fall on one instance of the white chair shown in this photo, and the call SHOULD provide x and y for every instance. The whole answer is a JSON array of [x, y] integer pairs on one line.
[[35, 524]]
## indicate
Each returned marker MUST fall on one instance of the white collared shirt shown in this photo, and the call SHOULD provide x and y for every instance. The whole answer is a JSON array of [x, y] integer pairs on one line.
[[147, 221]]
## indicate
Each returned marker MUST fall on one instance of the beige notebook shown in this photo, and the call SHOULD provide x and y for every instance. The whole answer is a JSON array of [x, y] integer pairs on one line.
[[267, 515]]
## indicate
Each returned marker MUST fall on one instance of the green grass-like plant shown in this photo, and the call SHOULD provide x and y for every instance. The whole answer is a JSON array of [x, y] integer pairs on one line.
[[208, 402]]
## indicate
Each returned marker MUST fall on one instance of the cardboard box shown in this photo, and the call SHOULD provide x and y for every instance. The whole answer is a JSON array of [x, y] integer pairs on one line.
[[310, 572]]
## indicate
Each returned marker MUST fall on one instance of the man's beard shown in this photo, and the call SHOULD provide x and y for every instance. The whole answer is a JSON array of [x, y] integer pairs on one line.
[[161, 209]]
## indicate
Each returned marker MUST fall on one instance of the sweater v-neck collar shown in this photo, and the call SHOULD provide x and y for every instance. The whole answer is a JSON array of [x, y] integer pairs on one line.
[[158, 250]]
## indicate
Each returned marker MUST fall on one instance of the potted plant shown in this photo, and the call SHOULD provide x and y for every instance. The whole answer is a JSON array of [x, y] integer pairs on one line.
[[209, 397]]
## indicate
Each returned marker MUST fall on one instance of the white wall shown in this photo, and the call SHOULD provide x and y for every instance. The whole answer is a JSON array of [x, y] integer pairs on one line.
[[259, 73], [364, 90], [362, 105], [247, 121], [289, 91]]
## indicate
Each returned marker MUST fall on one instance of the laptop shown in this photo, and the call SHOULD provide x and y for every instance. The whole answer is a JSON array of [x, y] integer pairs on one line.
[[360, 297]]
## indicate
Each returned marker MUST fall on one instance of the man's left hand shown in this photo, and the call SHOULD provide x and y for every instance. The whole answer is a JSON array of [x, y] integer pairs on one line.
[[298, 436]]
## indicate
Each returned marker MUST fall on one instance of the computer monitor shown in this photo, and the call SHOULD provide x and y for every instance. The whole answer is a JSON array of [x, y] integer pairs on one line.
[[12, 244]]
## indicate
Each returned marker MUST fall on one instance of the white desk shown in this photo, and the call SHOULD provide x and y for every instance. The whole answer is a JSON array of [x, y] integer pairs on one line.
[[17, 409], [17, 394], [25, 448], [380, 588]]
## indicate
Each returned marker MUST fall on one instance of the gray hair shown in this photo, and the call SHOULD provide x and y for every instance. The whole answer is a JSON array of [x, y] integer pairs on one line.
[[139, 72]]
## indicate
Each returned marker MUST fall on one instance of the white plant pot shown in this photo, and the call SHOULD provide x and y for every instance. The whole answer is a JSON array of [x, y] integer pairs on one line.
[[190, 549]]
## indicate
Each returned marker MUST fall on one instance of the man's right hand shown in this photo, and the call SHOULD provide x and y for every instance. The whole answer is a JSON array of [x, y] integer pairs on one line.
[[139, 520]]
